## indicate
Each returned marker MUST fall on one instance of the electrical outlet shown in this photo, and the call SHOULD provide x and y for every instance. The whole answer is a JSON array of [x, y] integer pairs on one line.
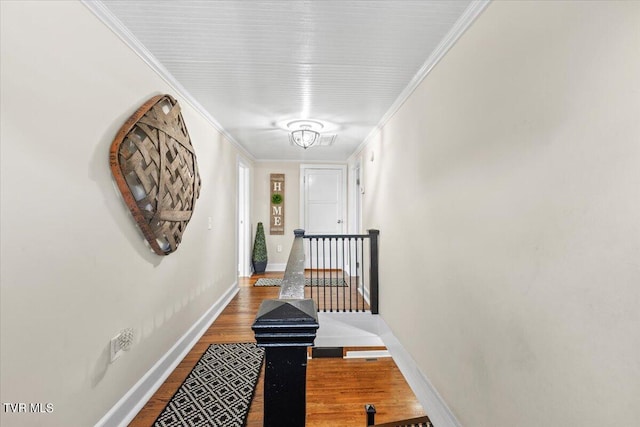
[[279, 248], [121, 342], [116, 349]]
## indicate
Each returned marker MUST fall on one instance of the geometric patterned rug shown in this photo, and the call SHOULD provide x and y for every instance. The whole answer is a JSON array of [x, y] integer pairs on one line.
[[219, 389], [307, 282]]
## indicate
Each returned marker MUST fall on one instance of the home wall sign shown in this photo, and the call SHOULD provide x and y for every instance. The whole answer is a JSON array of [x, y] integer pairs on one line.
[[277, 204], [154, 165]]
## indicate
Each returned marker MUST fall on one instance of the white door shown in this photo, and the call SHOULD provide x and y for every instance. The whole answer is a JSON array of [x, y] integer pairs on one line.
[[323, 209]]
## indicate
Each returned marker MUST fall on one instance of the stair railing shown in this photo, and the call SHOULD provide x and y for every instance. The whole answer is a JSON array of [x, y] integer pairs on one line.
[[339, 277], [285, 327]]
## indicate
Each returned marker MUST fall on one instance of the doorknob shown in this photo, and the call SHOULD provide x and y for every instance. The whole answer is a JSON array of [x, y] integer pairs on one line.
[[339, 221]]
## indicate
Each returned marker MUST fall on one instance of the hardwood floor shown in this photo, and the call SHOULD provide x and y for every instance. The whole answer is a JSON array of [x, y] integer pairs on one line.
[[337, 389]]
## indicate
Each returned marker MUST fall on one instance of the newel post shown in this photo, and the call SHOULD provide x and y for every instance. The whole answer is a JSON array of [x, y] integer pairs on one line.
[[370, 410], [285, 328], [373, 270]]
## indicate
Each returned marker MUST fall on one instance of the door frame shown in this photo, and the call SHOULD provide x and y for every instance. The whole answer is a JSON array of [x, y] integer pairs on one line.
[[243, 225], [355, 198], [344, 201]]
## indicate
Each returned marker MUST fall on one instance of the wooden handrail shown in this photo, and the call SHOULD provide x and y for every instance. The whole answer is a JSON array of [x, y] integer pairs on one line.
[[292, 286], [336, 236]]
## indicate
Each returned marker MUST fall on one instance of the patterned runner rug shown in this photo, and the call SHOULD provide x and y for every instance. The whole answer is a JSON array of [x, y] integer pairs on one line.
[[219, 389], [307, 282]]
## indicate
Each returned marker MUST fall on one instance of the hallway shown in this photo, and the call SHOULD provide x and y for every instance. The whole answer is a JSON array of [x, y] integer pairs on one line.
[[501, 169], [337, 389]]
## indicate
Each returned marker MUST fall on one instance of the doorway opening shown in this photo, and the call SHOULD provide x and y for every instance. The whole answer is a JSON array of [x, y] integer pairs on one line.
[[244, 225]]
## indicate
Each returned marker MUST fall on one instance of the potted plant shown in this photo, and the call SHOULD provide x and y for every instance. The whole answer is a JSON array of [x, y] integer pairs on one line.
[[259, 255]]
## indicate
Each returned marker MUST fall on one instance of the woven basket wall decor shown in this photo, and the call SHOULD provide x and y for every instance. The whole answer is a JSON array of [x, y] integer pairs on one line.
[[154, 165]]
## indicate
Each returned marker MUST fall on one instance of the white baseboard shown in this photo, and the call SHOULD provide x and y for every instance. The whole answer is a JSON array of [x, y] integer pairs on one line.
[[365, 329], [365, 295], [435, 406], [276, 266], [131, 403]]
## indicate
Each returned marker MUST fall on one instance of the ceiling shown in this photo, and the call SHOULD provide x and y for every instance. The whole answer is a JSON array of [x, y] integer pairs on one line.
[[254, 66]]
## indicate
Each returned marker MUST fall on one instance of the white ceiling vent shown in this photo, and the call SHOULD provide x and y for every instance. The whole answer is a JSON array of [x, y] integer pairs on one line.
[[326, 140], [292, 62]]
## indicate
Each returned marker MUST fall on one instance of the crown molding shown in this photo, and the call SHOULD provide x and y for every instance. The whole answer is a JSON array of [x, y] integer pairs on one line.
[[472, 12], [459, 28], [117, 27]]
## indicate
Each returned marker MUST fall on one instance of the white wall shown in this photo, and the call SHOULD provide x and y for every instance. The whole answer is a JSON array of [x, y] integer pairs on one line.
[[261, 203], [75, 270], [507, 193]]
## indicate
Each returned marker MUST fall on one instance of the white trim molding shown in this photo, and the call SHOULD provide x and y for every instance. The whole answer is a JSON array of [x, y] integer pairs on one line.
[[365, 294], [366, 329], [272, 266], [130, 404], [472, 12], [118, 28], [433, 404]]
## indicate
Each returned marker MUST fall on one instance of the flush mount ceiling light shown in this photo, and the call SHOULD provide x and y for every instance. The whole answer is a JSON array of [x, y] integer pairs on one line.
[[304, 137], [304, 133]]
